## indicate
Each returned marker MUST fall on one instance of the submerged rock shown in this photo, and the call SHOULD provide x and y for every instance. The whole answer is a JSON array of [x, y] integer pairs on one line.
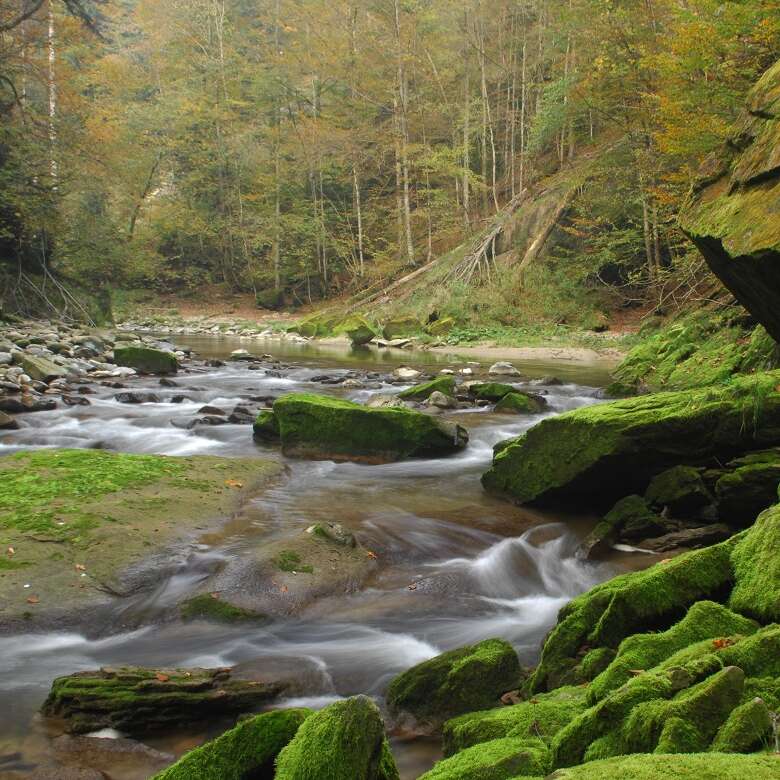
[[463, 680], [7, 423], [135, 700], [146, 360], [597, 454], [521, 403], [345, 741], [248, 750], [322, 427]]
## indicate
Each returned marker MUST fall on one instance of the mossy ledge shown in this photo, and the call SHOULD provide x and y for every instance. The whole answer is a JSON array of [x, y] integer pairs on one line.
[[323, 427], [601, 453]]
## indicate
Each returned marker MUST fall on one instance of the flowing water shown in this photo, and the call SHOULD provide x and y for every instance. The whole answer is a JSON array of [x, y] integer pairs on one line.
[[457, 565]]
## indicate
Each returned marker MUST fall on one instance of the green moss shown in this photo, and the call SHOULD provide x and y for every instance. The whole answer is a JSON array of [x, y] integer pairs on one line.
[[441, 327], [463, 680], [520, 403], [491, 391], [146, 360], [345, 741], [266, 426], [704, 706], [499, 759], [747, 728], [290, 561], [679, 736], [707, 766], [327, 427], [357, 329], [542, 716], [317, 325], [704, 620], [209, 607], [595, 455], [757, 569], [401, 327], [249, 749], [749, 487], [681, 489], [443, 384], [38, 487], [619, 607], [596, 661]]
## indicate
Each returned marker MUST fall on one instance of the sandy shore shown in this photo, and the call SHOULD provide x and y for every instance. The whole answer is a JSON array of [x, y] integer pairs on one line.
[[582, 355]]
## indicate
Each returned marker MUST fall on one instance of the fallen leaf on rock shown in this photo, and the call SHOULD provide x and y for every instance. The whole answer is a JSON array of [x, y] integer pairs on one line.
[[233, 483], [284, 589], [33, 600], [215, 596], [11, 551], [162, 677], [372, 555], [80, 567], [413, 586], [719, 644], [666, 560], [636, 672]]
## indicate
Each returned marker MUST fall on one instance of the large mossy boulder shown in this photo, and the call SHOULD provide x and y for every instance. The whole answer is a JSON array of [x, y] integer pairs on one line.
[[401, 327], [442, 384], [357, 330], [324, 427], [521, 403], [680, 490], [248, 750], [606, 614], [595, 455], [137, 700], [463, 680], [146, 360], [345, 741], [317, 325], [733, 216]]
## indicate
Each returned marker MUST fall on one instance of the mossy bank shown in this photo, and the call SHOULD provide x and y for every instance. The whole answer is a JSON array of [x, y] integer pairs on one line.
[[76, 525]]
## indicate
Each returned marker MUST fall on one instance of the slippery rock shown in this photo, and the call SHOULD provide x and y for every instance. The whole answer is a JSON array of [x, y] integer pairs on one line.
[[137, 700], [322, 427], [146, 360]]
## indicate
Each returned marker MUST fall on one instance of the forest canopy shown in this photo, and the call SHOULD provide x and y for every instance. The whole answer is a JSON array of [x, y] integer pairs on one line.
[[302, 148]]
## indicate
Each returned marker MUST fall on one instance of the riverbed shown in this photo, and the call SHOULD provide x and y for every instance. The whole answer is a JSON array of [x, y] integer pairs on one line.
[[455, 565]]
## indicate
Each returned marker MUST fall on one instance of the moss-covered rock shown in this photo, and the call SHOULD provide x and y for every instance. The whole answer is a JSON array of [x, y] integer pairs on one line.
[[357, 329], [541, 716], [317, 325], [605, 615], [325, 427], [345, 741], [704, 766], [704, 620], [401, 327], [699, 349], [680, 489], [631, 519], [146, 360], [749, 487], [747, 728], [441, 327], [41, 369], [499, 759], [491, 391], [597, 454], [757, 569], [521, 403], [442, 384], [463, 680], [141, 701], [266, 426], [732, 214], [248, 750]]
